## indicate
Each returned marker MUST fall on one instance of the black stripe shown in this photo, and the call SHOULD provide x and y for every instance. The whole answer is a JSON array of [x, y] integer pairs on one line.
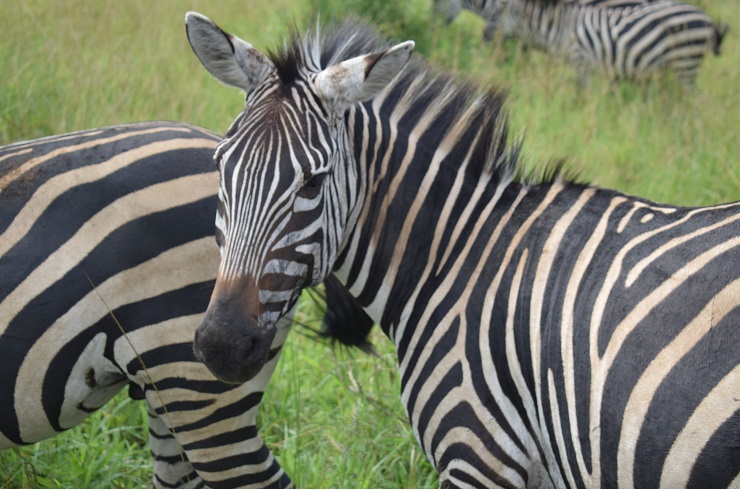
[[232, 410], [686, 385], [222, 439], [231, 462], [719, 462], [252, 479]]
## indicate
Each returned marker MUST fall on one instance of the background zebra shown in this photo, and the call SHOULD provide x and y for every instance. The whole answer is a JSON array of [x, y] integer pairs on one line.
[[491, 10], [625, 39], [131, 208], [549, 333]]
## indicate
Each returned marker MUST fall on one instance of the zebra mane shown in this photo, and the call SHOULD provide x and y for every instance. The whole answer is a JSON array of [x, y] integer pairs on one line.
[[474, 114]]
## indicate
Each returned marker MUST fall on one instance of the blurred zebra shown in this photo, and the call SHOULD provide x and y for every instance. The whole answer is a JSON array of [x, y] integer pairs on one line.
[[548, 333], [625, 39], [490, 10], [119, 221]]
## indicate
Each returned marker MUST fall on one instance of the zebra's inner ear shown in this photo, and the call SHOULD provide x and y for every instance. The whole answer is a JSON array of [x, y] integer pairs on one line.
[[361, 78], [230, 60]]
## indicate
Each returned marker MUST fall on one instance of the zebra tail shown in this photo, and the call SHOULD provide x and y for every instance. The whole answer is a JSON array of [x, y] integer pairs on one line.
[[345, 321], [719, 35]]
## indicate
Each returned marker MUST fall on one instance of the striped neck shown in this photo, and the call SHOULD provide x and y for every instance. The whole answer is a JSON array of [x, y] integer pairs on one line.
[[419, 169]]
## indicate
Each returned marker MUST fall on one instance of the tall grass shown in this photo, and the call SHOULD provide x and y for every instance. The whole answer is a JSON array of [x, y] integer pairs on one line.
[[334, 419]]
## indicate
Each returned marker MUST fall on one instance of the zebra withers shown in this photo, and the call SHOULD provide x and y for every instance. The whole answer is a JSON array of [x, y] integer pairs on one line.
[[624, 39], [128, 209], [549, 333]]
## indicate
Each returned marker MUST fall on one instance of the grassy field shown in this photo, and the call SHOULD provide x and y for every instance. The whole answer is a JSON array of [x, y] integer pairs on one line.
[[333, 418]]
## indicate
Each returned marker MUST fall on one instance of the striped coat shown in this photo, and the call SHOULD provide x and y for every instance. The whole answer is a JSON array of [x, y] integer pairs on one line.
[[623, 39], [112, 229], [549, 333]]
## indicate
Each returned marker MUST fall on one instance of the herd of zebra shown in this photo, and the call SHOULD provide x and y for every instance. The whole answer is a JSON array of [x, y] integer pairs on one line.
[[549, 333]]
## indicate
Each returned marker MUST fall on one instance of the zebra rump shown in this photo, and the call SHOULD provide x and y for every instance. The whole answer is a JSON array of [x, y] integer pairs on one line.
[[118, 222]]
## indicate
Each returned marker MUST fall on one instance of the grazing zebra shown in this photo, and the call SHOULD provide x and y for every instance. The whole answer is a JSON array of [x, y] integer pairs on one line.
[[128, 209], [548, 334], [625, 39], [490, 10]]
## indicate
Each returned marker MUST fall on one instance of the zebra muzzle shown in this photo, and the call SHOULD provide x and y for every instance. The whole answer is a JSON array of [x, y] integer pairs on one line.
[[230, 341]]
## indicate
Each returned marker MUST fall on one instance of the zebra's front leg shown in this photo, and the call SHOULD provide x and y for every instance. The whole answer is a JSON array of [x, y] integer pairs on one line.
[[582, 74], [449, 9], [489, 30], [203, 433], [172, 469]]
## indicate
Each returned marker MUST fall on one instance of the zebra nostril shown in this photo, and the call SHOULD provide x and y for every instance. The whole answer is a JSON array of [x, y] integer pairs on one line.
[[248, 346], [197, 350]]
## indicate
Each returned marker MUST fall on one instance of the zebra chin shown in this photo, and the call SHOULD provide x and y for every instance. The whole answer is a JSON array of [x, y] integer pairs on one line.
[[233, 355], [231, 343]]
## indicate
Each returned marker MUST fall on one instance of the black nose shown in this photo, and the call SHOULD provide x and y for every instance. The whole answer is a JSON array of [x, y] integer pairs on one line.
[[234, 351]]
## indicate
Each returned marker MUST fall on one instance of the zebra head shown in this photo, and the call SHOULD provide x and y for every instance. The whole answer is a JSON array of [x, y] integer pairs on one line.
[[287, 181]]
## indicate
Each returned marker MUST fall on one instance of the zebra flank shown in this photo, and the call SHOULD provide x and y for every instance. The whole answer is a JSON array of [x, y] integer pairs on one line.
[[112, 229], [624, 39], [549, 333]]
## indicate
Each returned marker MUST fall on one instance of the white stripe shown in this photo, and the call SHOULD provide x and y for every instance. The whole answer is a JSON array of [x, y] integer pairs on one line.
[[54, 187], [134, 205]]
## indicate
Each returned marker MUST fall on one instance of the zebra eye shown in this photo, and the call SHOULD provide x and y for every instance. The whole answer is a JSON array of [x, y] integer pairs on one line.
[[316, 181], [312, 187], [217, 157]]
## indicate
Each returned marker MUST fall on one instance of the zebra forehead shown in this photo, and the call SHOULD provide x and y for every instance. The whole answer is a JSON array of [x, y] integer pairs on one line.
[[267, 157], [319, 48]]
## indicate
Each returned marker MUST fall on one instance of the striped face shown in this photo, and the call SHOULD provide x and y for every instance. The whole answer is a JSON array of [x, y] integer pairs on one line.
[[275, 169], [289, 187]]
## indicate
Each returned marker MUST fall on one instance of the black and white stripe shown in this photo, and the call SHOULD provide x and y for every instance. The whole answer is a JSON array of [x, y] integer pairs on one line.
[[624, 39], [131, 208], [549, 333]]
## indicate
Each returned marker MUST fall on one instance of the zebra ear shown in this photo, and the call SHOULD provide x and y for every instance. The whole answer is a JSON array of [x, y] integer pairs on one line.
[[231, 60], [361, 78]]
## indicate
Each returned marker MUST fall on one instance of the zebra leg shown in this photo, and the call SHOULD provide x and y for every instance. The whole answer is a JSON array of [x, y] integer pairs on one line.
[[685, 71], [450, 9], [582, 74], [172, 469], [203, 432], [489, 30]]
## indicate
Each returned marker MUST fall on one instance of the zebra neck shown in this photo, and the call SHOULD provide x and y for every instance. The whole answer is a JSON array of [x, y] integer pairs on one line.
[[417, 218]]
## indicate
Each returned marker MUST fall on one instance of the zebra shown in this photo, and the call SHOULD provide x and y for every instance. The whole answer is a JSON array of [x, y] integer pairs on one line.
[[549, 332], [625, 39], [490, 10], [107, 229]]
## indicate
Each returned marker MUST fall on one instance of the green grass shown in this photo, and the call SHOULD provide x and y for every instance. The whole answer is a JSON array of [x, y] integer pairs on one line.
[[334, 419], [109, 450]]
